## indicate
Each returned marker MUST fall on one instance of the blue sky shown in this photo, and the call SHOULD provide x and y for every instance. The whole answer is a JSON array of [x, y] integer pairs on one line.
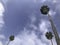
[[23, 19]]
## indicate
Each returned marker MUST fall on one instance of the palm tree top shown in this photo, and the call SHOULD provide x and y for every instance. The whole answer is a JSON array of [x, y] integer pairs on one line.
[[44, 9], [11, 37], [49, 35]]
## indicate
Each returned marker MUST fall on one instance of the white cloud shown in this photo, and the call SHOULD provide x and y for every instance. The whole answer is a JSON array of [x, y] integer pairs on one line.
[[33, 26], [4, 1], [41, 1], [54, 1], [33, 18], [43, 26], [1, 21], [44, 39], [1, 15], [1, 9], [27, 39], [1, 43], [52, 13], [30, 38], [2, 36]]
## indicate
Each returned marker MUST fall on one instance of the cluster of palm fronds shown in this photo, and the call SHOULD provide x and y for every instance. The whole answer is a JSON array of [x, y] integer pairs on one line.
[[49, 36]]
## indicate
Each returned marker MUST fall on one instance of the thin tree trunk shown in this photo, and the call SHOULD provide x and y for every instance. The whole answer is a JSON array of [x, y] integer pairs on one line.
[[54, 30], [8, 42], [51, 42]]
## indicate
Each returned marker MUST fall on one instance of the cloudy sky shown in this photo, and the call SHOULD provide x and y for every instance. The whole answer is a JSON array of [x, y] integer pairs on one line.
[[23, 19]]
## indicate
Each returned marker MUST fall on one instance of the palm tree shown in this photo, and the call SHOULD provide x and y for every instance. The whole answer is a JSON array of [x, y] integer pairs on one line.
[[45, 11], [11, 38], [49, 36]]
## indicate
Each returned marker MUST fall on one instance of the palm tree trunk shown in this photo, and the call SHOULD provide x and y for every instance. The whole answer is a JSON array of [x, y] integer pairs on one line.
[[8, 42], [54, 30], [51, 42]]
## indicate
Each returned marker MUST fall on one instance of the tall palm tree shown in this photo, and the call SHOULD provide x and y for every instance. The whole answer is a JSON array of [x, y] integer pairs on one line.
[[11, 38], [49, 36], [45, 10]]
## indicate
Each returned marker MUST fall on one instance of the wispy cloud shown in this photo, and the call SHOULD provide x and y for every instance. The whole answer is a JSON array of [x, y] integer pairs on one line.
[[52, 13], [30, 38], [1, 15], [1, 21], [4, 1], [2, 36], [44, 25], [1, 43], [27, 38]]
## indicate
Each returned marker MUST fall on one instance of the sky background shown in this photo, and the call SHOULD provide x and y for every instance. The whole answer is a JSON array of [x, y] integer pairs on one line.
[[23, 19]]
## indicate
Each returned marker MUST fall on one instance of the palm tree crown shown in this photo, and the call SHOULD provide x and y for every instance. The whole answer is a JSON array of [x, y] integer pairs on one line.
[[44, 9], [49, 35], [11, 37]]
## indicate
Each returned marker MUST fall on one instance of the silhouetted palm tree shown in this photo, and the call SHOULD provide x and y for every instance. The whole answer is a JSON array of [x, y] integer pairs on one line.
[[11, 38], [49, 36], [44, 9]]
